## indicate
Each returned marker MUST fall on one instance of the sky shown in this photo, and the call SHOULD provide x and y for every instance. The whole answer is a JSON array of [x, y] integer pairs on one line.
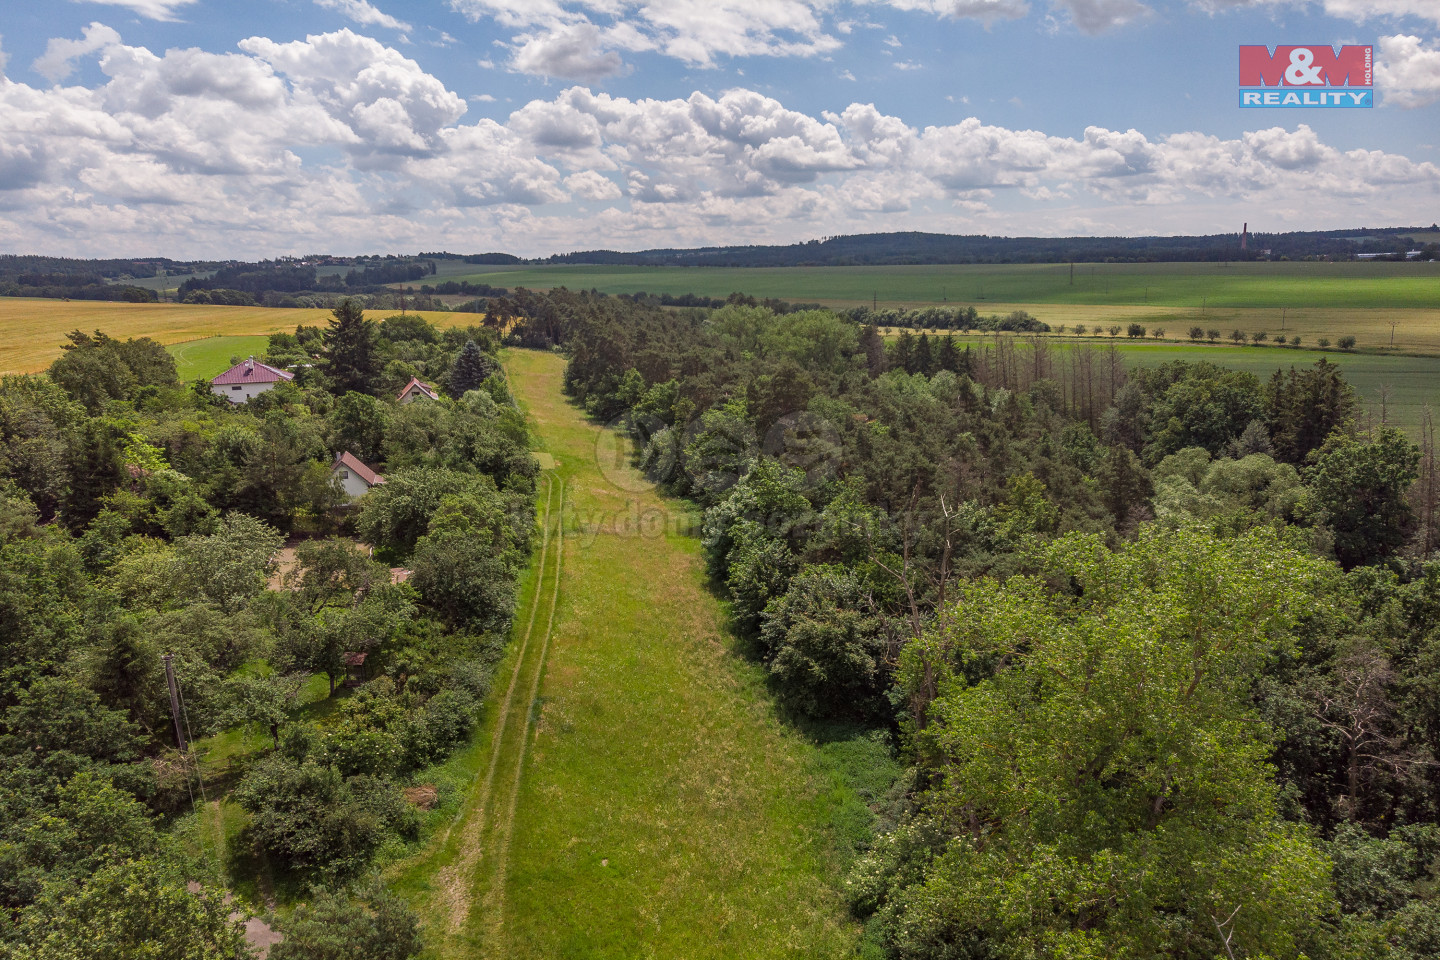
[[216, 129]]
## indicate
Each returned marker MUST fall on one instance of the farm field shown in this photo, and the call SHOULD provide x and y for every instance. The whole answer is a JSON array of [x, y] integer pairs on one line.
[[1399, 388], [211, 356], [35, 329], [1311, 299], [632, 782]]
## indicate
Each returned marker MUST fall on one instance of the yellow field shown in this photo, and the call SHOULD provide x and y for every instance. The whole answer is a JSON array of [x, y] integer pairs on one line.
[[31, 331]]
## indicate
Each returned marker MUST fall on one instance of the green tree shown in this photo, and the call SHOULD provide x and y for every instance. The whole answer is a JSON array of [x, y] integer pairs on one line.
[[336, 927], [357, 423], [1358, 487], [349, 359], [1102, 784], [135, 908], [825, 643], [471, 368]]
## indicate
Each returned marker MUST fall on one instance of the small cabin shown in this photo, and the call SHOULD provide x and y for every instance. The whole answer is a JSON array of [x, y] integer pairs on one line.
[[247, 380], [415, 390], [355, 478]]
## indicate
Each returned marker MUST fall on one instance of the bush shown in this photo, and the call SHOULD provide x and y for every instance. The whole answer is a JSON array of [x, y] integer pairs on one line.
[[306, 816], [1346, 343], [335, 927], [1324, 343], [825, 643], [1135, 330]]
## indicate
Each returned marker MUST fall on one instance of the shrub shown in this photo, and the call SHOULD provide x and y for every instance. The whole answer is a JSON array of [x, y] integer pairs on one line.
[[1324, 343], [1346, 343], [1135, 330]]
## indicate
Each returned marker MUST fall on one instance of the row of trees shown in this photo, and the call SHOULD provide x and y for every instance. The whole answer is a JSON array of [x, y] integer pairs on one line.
[[140, 517]]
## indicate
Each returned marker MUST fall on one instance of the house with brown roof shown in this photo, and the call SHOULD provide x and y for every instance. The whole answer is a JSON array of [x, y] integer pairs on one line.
[[355, 478], [247, 380], [415, 390]]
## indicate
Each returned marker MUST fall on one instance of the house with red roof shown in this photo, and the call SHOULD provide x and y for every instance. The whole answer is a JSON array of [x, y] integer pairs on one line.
[[415, 390], [247, 380], [355, 478]]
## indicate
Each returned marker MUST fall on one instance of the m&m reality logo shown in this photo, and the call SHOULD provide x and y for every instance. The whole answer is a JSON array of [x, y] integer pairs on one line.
[[1315, 75]]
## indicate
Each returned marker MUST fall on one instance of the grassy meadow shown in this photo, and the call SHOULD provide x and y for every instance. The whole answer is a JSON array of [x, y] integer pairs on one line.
[[637, 788], [213, 355], [34, 330]]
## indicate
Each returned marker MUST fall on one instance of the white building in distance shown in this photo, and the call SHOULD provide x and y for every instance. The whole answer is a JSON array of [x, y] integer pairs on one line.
[[247, 380], [355, 477]]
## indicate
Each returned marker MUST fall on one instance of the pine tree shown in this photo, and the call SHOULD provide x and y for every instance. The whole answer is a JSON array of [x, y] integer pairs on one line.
[[470, 369], [350, 349], [947, 357], [924, 360]]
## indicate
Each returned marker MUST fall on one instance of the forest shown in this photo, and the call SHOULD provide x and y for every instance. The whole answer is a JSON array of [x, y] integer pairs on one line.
[[141, 518], [1156, 648]]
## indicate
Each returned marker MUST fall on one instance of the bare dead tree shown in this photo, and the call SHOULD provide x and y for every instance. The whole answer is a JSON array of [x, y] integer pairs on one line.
[[1357, 709]]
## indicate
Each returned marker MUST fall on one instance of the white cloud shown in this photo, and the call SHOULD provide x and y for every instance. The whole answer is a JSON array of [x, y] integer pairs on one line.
[[366, 14], [1358, 10], [985, 10], [392, 106], [582, 39], [576, 52], [1097, 16], [1408, 73], [57, 62], [1361, 10], [589, 185], [340, 142], [154, 9], [482, 98]]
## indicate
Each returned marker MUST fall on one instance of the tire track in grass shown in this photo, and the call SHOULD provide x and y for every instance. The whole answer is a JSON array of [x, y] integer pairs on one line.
[[455, 879], [495, 902]]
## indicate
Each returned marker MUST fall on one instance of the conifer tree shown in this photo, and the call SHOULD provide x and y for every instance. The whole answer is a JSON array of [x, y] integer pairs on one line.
[[469, 370], [350, 349]]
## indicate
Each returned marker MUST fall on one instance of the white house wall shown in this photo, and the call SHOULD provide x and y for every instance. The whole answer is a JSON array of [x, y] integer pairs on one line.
[[241, 392]]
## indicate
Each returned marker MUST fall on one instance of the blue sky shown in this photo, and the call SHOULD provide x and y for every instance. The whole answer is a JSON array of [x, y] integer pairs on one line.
[[209, 128]]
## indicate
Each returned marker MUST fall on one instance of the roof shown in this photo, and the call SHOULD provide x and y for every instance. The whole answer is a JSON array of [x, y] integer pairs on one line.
[[424, 388], [353, 659], [251, 371], [352, 462]]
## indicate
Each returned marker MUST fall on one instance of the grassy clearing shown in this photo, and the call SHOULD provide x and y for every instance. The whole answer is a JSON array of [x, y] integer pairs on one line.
[[32, 331], [653, 804], [213, 355]]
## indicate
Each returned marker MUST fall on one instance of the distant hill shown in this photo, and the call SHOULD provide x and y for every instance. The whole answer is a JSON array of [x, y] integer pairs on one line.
[[873, 249]]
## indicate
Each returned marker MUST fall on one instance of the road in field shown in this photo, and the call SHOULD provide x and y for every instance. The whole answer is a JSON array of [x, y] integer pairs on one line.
[[637, 796]]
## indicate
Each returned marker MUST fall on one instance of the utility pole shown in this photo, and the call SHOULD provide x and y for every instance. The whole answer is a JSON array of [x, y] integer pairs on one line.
[[1392, 332], [174, 701], [1282, 318]]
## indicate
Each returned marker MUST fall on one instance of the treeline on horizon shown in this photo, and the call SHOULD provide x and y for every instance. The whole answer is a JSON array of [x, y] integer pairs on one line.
[[293, 282]]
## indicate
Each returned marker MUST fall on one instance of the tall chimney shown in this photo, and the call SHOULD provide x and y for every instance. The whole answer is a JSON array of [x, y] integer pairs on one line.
[[1245, 237]]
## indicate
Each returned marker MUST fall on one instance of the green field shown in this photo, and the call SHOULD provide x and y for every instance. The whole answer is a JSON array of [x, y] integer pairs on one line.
[[1177, 285], [213, 355], [635, 794]]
